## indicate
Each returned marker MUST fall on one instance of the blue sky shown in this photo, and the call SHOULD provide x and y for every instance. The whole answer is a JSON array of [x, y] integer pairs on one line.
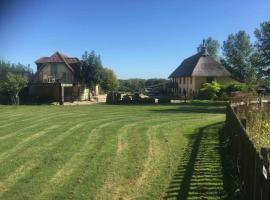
[[142, 38]]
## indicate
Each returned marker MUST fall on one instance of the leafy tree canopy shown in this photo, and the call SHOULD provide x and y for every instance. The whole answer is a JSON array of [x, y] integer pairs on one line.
[[263, 44], [94, 73], [109, 81], [91, 68], [12, 80], [240, 56], [132, 85], [155, 81], [138, 85]]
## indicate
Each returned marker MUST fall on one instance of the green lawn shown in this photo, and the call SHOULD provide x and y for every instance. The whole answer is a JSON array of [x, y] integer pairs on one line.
[[112, 152]]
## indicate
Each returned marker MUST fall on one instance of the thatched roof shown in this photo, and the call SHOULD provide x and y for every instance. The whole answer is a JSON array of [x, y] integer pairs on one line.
[[200, 64]]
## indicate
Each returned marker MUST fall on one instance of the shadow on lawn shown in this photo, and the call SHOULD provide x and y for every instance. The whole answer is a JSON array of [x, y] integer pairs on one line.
[[193, 108], [206, 170]]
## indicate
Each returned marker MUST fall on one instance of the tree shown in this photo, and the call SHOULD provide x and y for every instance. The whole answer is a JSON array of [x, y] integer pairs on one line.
[[155, 81], [109, 81], [240, 57], [12, 80], [12, 84], [263, 44], [212, 47], [91, 68], [132, 85]]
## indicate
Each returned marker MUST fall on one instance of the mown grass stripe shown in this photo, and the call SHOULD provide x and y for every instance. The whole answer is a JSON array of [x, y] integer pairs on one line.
[[21, 144], [60, 137], [38, 170], [36, 119], [59, 177], [20, 172], [52, 151], [89, 122]]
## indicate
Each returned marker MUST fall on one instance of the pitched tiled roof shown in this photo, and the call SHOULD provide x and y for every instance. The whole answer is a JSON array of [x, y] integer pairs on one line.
[[57, 57], [200, 64]]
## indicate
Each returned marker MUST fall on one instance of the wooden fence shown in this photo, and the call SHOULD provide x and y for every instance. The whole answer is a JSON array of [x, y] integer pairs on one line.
[[253, 165]]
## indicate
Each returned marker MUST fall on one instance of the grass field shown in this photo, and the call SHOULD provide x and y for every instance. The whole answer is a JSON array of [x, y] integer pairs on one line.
[[112, 152]]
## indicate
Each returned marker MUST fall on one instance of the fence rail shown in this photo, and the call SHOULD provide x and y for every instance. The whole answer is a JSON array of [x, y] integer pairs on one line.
[[253, 165]]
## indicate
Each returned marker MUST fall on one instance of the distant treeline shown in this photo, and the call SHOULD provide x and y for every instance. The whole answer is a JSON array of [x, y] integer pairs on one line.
[[139, 85]]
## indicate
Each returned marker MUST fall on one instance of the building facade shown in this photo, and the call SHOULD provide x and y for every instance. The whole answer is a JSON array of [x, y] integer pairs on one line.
[[196, 70], [58, 68], [58, 78]]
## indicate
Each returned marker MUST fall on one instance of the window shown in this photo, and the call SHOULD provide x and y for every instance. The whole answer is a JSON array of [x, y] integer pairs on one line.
[[180, 92], [184, 80], [64, 76], [209, 79], [190, 80], [53, 70], [180, 80], [184, 91]]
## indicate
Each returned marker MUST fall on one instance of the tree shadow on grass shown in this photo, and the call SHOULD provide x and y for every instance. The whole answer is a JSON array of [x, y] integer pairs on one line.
[[206, 170], [191, 108]]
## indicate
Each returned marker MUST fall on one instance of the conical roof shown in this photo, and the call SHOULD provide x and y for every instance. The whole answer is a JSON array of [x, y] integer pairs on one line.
[[200, 64]]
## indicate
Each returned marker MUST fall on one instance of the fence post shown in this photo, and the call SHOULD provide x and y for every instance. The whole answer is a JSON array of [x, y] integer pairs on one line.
[[244, 122], [253, 166], [265, 152]]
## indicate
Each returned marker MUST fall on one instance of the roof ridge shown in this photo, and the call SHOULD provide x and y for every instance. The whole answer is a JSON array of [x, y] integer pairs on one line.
[[64, 60]]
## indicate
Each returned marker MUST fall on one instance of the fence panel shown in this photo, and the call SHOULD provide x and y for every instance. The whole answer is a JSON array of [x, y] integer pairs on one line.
[[253, 165]]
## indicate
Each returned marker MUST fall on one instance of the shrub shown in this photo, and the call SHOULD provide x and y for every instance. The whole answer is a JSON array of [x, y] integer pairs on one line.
[[258, 124], [4, 98], [222, 95], [209, 91], [147, 100], [234, 87], [113, 98], [164, 100], [136, 98], [126, 99]]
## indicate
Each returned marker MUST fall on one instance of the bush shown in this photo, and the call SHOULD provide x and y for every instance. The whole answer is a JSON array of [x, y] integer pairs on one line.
[[234, 87], [126, 99], [113, 98], [4, 98], [209, 91], [228, 89], [164, 100], [136, 98], [147, 100]]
